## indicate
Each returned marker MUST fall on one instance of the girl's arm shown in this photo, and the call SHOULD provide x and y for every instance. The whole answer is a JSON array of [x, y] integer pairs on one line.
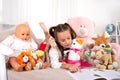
[[54, 58]]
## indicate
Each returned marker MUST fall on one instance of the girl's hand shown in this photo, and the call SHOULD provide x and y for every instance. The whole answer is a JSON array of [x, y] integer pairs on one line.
[[73, 68]]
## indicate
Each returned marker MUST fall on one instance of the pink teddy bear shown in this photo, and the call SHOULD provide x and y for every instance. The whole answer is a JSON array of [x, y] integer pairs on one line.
[[84, 27]]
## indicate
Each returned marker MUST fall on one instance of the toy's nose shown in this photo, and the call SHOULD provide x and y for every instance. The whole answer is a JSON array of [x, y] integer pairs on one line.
[[25, 58]]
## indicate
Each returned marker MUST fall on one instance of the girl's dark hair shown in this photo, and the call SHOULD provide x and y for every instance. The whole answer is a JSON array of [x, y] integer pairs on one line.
[[61, 28]]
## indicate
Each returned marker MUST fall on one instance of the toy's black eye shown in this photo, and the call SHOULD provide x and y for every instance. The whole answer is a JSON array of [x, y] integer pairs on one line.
[[73, 43], [102, 45]]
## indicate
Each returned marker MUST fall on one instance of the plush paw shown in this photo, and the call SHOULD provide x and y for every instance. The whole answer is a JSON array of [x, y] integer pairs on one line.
[[115, 64]]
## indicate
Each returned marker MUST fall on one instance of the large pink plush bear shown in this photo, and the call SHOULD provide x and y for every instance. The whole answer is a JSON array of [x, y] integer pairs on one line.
[[84, 27]]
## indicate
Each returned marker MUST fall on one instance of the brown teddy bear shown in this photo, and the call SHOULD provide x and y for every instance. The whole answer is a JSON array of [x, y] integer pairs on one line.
[[26, 59]]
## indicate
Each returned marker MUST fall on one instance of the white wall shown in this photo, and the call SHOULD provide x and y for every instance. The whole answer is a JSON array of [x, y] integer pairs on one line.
[[54, 12], [0, 11], [102, 12], [14, 11]]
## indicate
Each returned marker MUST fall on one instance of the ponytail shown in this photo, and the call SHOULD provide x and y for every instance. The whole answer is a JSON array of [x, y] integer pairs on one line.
[[52, 31]]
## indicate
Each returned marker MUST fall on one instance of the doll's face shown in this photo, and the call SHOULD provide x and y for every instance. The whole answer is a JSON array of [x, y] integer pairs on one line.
[[22, 32]]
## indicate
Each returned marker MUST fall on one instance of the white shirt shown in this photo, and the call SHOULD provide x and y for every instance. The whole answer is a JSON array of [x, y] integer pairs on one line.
[[18, 45], [54, 58]]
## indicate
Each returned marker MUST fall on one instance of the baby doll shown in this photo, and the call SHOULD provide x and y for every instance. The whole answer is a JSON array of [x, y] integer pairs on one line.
[[20, 41]]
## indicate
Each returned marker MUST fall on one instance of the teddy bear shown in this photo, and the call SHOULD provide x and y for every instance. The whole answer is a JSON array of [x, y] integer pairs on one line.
[[26, 59], [84, 27], [108, 56]]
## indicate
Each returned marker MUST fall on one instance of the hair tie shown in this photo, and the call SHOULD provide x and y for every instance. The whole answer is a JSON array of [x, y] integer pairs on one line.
[[53, 30]]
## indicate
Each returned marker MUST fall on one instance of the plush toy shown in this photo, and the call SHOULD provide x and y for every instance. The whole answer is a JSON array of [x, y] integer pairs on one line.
[[88, 55], [84, 27], [74, 55], [52, 43], [99, 59], [108, 55], [37, 55], [26, 59], [104, 59], [32, 59], [101, 43]]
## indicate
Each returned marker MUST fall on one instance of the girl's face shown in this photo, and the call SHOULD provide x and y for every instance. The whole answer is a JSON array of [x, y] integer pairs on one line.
[[64, 39]]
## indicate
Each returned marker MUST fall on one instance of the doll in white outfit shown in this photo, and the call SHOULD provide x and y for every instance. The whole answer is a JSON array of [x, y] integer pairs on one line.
[[20, 41]]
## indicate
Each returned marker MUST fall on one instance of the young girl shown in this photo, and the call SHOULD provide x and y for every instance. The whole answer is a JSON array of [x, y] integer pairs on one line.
[[21, 40], [63, 35]]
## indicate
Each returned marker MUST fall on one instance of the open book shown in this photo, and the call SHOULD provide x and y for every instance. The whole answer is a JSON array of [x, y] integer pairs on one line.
[[92, 74]]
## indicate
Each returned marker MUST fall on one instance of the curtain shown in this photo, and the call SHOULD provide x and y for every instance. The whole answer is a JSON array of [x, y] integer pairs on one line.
[[14, 11], [58, 11], [50, 11], [53, 12], [0, 11]]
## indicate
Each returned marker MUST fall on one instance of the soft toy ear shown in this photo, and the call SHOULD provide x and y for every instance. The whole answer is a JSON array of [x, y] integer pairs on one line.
[[31, 60], [80, 41], [74, 23], [106, 35], [94, 37], [20, 57]]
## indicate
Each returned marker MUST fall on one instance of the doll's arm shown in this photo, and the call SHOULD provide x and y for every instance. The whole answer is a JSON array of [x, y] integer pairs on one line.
[[8, 41], [42, 45], [47, 36]]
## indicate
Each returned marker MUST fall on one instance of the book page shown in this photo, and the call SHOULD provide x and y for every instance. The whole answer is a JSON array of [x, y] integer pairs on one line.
[[91, 74]]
